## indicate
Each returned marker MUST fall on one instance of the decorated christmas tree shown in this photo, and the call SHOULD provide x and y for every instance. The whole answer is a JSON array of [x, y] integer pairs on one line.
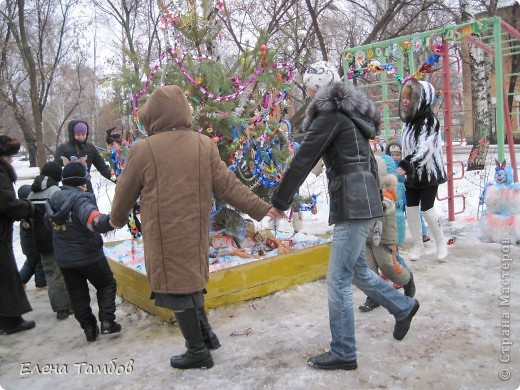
[[241, 106]]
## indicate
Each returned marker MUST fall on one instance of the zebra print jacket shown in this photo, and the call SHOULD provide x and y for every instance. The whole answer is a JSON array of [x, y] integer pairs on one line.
[[421, 138]]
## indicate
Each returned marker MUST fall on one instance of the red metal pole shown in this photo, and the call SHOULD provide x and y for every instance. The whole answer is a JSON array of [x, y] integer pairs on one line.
[[509, 134], [447, 130]]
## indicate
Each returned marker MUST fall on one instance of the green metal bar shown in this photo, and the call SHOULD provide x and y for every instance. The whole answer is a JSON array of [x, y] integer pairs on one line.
[[489, 21], [499, 87], [487, 37], [411, 63], [384, 91], [511, 47]]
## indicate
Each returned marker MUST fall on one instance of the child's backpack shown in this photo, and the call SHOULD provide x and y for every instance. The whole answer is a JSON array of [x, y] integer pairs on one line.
[[41, 226]]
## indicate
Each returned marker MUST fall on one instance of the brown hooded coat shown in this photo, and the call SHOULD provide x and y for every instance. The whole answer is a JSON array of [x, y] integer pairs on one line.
[[175, 170]]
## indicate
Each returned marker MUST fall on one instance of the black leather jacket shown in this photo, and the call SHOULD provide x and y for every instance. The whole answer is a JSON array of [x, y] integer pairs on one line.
[[338, 125]]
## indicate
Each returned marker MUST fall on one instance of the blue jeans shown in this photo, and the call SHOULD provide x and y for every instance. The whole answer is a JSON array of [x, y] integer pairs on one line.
[[33, 266], [346, 267]]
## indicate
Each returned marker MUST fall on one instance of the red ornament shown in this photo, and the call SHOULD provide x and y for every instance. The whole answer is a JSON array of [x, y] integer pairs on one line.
[[263, 49]]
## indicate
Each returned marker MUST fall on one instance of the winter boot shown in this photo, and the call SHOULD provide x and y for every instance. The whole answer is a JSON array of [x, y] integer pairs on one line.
[[108, 327], [369, 305], [414, 224], [89, 325], [409, 288], [197, 355], [91, 332], [210, 338], [10, 325], [434, 223]]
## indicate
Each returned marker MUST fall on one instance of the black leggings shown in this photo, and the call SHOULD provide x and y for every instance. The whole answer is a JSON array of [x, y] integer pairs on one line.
[[425, 196]]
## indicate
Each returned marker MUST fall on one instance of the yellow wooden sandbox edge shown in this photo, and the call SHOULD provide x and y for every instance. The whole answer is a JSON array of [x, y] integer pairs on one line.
[[232, 285]]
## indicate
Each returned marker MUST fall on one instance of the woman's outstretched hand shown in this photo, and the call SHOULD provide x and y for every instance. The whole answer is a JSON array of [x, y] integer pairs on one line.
[[275, 214]]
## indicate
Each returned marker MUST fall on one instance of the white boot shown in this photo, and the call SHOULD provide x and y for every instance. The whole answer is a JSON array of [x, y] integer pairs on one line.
[[297, 221], [434, 223], [414, 224]]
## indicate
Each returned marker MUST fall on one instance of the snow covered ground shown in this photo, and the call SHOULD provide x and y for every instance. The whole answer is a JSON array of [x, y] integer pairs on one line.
[[466, 334]]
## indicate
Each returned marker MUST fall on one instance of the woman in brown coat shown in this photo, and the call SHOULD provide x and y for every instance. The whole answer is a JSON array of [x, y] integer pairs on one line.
[[175, 171]]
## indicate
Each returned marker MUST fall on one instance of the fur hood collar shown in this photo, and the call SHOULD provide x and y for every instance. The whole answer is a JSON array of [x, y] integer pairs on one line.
[[349, 100], [8, 168], [421, 98]]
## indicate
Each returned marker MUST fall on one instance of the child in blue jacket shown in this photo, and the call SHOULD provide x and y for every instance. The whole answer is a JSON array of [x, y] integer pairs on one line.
[[78, 250]]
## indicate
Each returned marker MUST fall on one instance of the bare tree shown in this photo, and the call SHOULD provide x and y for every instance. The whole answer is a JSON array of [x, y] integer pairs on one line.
[[36, 39], [138, 21], [480, 70]]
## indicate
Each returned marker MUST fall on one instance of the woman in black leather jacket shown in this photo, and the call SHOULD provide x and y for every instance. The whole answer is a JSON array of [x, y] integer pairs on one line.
[[340, 121]]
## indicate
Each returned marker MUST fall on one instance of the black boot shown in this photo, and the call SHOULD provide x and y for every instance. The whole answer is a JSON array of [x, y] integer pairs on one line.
[[197, 355], [91, 332], [108, 327], [369, 305], [90, 327], [210, 338], [10, 325], [409, 288]]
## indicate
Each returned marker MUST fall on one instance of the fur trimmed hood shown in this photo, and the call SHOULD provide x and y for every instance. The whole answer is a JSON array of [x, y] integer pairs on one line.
[[421, 138], [349, 100], [421, 99], [394, 144], [8, 146]]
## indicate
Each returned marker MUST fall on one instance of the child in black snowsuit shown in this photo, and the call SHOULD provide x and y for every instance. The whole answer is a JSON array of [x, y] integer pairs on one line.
[[32, 265], [78, 250]]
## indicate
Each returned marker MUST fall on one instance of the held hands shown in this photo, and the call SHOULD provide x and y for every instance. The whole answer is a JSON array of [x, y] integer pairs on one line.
[[275, 214], [114, 226], [401, 171]]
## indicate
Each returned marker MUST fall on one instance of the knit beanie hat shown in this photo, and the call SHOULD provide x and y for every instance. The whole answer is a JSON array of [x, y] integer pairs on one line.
[[53, 170], [80, 128], [394, 148], [75, 174], [8, 146], [320, 74]]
